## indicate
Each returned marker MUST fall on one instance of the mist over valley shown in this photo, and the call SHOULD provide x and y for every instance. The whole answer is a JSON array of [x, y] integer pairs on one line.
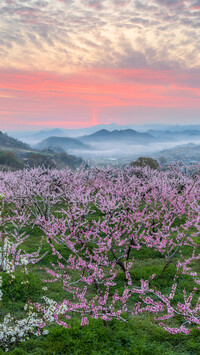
[[119, 144]]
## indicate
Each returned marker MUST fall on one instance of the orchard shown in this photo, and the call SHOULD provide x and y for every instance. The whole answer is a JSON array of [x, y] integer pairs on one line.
[[99, 244]]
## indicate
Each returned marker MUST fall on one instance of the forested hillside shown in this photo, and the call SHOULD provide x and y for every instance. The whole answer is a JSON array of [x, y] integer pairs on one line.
[[15, 155], [9, 142]]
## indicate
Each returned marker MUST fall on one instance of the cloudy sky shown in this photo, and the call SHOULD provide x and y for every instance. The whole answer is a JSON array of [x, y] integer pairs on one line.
[[75, 63]]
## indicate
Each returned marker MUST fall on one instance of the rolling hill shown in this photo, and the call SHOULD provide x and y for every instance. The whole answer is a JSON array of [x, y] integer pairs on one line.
[[65, 143], [175, 136], [127, 136], [185, 153], [15, 155]]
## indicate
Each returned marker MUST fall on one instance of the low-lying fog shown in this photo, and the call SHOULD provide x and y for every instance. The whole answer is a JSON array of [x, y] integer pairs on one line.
[[116, 144], [119, 151]]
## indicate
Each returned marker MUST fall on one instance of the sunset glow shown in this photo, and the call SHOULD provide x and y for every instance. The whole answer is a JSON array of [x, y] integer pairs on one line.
[[76, 63]]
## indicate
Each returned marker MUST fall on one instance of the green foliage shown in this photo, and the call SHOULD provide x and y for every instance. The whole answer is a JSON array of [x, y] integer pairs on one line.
[[9, 160], [140, 336], [37, 159], [143, 161], [20, 155], [16, 287], [64, 159]]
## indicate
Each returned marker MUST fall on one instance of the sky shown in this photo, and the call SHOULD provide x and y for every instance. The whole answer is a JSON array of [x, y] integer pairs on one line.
[[78, 63]]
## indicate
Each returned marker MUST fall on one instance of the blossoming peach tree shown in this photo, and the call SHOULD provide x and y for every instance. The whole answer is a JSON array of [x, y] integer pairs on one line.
[[12, 258], [95, 223]]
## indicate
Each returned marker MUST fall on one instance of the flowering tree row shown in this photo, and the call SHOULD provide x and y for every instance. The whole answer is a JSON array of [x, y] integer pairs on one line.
[[95, 223]]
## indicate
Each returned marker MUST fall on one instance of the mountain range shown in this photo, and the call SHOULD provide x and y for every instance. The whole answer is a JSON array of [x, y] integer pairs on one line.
[[104, 144], [124, 137], [100, 140], [172, 136], [35, 137], [105, 139]]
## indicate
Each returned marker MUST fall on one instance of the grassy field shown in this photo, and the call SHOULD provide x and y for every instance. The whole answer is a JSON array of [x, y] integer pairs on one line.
[[142, 335]]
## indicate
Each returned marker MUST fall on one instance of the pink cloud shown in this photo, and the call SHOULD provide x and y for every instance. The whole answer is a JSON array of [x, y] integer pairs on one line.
[[75, 100]]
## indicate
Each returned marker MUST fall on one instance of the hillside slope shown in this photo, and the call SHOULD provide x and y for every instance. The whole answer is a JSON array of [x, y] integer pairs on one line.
[[9, 142], [65, 143]]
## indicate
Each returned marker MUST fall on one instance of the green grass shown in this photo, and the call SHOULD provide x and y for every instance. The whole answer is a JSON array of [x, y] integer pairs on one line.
[[142, 335]]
